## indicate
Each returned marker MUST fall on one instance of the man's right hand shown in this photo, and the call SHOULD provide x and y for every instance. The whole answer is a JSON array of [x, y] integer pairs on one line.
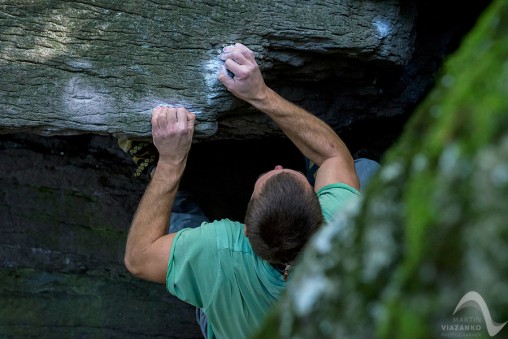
[[247, 82]]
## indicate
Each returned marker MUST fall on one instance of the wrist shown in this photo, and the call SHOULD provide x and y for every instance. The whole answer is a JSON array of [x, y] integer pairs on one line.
[[169, 170], [263, 99]]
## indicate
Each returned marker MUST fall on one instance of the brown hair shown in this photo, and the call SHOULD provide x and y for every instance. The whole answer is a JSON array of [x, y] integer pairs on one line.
[[281, 218]]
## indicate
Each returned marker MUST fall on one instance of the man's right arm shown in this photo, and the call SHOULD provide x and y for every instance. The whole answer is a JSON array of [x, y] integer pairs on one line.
[[313, 137]]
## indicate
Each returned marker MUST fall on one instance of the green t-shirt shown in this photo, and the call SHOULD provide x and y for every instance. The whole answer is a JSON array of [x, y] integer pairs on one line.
[[214, 268]]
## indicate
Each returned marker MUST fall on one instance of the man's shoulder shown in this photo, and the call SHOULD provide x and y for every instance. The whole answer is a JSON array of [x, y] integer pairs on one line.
[[338, 188], [223, 233], [224, 223], [334, 197], [230, 235], [224, 226]]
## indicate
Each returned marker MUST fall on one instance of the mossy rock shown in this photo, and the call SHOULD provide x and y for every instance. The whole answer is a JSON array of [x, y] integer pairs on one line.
[[433, 224]]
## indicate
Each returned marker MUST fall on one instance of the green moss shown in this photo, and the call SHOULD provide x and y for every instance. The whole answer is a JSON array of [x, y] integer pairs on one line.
[[437, 198]]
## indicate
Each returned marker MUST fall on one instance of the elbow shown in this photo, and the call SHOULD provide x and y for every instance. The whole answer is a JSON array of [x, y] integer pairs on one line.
[[131, 265]]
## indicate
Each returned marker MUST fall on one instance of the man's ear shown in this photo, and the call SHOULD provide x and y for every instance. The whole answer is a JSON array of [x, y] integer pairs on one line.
[[245, 230]]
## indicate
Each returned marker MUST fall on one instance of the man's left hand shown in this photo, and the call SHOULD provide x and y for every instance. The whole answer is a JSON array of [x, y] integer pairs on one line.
[[172, 131]]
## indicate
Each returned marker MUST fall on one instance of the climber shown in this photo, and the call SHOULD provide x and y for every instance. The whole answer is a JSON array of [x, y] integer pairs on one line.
[[234, 272]]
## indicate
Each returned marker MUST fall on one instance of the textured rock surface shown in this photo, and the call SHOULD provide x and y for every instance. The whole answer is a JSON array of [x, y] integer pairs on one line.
[[433, 225], [97, 66], [64, 223]]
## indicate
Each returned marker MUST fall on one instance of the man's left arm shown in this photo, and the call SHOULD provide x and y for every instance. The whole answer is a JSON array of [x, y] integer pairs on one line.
[[148, 244]]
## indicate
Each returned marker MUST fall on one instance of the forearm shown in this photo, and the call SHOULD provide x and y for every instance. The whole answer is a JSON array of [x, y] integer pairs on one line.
[[313, 137], [151, 218]]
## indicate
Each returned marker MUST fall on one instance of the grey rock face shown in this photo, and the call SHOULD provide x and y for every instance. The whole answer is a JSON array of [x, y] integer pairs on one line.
[[101, 66]]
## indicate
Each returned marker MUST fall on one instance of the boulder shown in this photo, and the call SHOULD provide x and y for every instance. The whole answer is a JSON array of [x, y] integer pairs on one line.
[[97, 66], [66, 201]]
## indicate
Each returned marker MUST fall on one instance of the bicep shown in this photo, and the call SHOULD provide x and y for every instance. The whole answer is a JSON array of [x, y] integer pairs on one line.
[[156, 259], [336, 170]]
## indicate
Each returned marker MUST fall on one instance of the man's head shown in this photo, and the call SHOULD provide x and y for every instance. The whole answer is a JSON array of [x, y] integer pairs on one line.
[[282, 215]]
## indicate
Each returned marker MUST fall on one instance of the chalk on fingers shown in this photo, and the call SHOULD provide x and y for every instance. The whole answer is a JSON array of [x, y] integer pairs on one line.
[[226, 71]]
